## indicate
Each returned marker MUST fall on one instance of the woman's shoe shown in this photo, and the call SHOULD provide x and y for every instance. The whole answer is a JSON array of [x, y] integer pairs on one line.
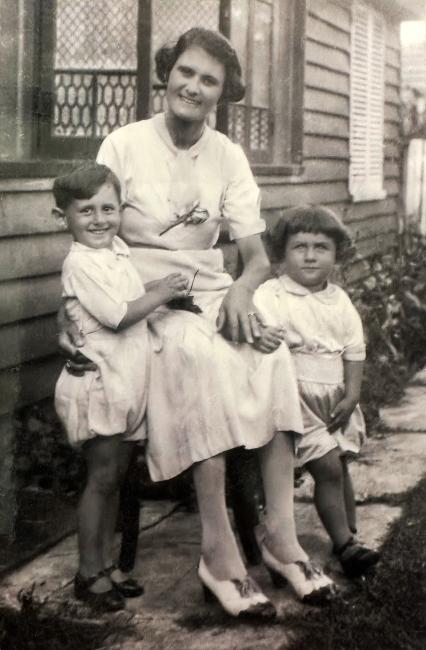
[[107, 601], [356, 559], [128, 588], [240, 598], [311, 585]]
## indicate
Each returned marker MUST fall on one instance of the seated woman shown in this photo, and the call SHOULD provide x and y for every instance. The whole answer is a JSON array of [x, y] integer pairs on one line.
[[208, 394]]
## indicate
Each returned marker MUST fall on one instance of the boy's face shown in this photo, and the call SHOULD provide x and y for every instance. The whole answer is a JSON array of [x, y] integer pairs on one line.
[[310, 259], [94, 222]]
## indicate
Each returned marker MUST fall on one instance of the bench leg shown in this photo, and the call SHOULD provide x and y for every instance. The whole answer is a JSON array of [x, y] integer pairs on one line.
[[245, 494]]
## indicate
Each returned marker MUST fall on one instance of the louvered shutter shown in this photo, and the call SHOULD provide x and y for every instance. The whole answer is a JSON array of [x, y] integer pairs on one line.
[[367, 104]]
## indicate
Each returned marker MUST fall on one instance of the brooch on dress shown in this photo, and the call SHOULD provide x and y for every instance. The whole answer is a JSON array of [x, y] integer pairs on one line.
[[194, 216]]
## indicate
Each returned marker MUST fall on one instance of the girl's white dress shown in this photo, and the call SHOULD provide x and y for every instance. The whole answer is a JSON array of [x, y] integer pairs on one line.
[[98, 283], [322, 330], [206, 395]]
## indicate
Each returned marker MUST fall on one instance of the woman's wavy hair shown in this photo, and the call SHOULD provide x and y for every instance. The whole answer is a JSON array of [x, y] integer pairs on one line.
[[313, 219], [217, 46]]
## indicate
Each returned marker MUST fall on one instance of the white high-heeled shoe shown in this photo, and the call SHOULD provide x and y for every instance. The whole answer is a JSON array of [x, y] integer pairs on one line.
[[310, 584], [240, 598]]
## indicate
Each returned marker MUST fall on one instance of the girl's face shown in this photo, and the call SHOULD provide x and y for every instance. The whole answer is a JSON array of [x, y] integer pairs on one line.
[[94, 222], [195, 85], [309, 259]]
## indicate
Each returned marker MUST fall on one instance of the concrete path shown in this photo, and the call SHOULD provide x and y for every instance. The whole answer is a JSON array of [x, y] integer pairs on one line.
[[172, 614]]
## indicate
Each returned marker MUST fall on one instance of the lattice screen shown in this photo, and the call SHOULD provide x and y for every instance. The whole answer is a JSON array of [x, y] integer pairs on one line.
[[95, 66], [96, 34]]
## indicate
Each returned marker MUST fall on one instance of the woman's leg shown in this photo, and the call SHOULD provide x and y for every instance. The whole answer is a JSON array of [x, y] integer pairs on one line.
[[329, 496], [218, 546], [349, 496], [101, 458], [277, 467]]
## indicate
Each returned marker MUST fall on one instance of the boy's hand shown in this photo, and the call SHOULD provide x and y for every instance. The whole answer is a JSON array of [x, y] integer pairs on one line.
[[341, 414], [269, 340], [172, 286]]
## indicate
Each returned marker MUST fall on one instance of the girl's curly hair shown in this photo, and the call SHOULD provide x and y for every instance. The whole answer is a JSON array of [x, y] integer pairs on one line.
[[309, 218], [217, 46]]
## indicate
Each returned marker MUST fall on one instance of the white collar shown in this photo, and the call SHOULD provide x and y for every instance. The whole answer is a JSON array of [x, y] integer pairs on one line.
[[119, 247], [159, 121], [327, 294]]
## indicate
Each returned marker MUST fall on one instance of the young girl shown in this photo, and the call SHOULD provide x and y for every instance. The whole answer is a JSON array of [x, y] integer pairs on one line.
[[324, 333], [103, 411]]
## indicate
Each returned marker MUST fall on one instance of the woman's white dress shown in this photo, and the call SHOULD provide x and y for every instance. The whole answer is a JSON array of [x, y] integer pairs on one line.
[[206, 395], [322, 330], [98, 283]]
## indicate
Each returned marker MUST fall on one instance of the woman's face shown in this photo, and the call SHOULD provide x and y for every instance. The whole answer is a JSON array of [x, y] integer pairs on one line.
[[195, 85]]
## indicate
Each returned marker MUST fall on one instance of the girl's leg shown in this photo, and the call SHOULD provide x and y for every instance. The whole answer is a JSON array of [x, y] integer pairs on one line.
[[219, 549], [349, 496], [329, 496], [101, 457], [277, 467]]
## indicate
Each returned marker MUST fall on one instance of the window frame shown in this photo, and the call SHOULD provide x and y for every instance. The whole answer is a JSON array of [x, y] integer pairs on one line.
[[41, 161]]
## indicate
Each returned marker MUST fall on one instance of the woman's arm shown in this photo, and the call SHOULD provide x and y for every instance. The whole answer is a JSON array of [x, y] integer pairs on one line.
[[238, 317], [353, 371]]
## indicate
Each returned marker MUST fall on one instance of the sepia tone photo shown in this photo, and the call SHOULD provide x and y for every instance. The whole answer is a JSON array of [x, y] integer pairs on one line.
[[213, 324]]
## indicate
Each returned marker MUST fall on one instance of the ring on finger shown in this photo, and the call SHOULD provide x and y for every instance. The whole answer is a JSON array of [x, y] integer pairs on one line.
[[68, 364], [251, 313]]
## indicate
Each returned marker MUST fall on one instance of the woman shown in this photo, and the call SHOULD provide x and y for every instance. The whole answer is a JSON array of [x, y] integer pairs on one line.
[[180, 180]]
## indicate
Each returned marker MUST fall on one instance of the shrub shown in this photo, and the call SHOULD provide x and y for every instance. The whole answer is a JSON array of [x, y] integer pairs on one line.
[[392, 302]]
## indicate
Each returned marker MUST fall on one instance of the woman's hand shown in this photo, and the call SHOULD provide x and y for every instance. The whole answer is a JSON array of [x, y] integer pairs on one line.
[[238, 318], [341, 413], [270, 339], [70, 339]]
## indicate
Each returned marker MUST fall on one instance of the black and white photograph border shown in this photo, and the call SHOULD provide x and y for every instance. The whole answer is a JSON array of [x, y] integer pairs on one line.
[[325, 112]]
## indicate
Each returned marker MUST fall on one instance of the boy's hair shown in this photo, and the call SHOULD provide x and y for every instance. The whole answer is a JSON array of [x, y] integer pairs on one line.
[[82, 183], [313, 219], [217, 46]]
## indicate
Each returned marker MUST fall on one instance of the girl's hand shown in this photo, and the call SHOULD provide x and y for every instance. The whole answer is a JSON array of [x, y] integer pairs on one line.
[[270, 339], [341, 414], [70, 339], [238, 318], [172, 286]]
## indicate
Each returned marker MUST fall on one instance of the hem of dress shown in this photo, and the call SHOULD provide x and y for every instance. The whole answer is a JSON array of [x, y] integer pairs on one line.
[[161, 476]]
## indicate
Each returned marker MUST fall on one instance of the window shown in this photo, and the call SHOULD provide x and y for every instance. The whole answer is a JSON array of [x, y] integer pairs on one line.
[[268, 36], [86, 68], [367, 104]]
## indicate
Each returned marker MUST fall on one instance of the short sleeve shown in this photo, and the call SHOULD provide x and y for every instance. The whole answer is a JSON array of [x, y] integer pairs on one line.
[[241, 202], [354, 345], [87, 283]]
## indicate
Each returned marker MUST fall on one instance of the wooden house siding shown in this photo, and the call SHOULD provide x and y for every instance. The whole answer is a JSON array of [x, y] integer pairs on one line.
[[32, 247], [326, 132], [31, 255]]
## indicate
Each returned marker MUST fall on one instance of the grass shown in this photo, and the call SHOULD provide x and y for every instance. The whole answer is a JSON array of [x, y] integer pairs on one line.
[[41, 625], [386, 611]]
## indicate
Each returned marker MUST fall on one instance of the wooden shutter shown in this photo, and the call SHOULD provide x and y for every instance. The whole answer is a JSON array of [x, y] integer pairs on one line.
[[367, 104]]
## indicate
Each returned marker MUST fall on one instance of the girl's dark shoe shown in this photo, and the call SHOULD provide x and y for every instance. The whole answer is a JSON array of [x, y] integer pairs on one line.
[[128, 588], [356, 559], [106, 601]]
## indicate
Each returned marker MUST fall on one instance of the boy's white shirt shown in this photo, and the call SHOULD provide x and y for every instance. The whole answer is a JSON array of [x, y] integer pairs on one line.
[[103, 281]]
